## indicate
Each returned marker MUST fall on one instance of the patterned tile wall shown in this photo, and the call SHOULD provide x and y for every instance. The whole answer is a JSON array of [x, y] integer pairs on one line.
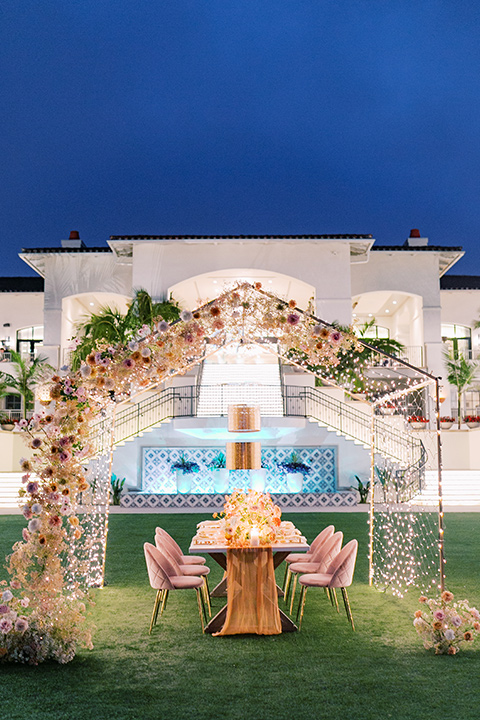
[[158, 478]]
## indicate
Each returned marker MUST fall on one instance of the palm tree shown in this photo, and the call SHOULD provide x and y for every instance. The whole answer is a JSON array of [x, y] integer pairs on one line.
[[27, 375], [460, 373], [111, 326]]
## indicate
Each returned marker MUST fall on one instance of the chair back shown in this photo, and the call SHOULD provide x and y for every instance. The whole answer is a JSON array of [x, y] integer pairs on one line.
[[343, 566], [168, 542], [157, 573], [321, 538], [170, 563], [327, 552]]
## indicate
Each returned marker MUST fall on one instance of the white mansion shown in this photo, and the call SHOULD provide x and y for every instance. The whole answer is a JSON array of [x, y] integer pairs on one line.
[[403, 290]]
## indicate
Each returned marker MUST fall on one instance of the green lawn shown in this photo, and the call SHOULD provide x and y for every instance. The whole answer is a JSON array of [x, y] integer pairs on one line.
[[326, 670]]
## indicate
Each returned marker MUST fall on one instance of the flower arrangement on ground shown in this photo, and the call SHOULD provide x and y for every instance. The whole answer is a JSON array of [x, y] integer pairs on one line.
[[444, 625]]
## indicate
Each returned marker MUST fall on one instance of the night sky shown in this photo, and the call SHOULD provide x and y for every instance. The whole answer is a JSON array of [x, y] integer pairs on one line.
[[239, 117]]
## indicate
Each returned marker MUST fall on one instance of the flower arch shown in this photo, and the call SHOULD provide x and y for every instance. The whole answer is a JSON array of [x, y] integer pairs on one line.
[[62, 552]]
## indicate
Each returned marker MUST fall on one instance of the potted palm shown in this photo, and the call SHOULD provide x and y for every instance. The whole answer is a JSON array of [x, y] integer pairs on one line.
[[295, 470], [183, 469], [218, 466]]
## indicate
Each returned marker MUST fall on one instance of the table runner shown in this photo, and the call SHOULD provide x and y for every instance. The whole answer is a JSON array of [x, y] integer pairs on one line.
[[252, 601]]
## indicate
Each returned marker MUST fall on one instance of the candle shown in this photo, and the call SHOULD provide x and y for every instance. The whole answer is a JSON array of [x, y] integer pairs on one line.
[[254, 537]]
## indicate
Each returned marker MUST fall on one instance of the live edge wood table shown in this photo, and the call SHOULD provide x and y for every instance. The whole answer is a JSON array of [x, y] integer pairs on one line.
[[252, 593]]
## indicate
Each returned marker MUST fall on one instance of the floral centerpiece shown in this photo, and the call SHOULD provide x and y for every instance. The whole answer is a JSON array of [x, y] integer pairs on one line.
[[444, 625], [250, 513]]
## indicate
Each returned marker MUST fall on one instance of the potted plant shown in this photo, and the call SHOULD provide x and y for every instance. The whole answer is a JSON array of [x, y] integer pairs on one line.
[[116, 486], [295, 470], [446, 422], [218, 466], [6, 422], [362, 489], [418, 422], [183, 468], [472, 421], [389, 408]]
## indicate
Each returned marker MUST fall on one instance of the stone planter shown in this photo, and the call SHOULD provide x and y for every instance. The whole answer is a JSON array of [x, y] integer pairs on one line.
[[184, 481], [388, 411], [221, 480], [446, 425], [258, 479], [294, 482], [473, 425], [418, 425], [8, 426]]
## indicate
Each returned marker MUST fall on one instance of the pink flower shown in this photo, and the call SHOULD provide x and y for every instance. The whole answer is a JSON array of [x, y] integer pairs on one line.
[[4, 609], [5, 625], [25, 602], [128, 363], [36, 443], [65, 456], [32, 488], [65, 441], [55, 521], [293, 319], [456, 621], [335, 337], [21, 625], [15, 584], [27, 512], [439, 615], [25, 534]]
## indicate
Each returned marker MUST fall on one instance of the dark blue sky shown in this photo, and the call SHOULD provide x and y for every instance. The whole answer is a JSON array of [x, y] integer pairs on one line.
[[239, 116]]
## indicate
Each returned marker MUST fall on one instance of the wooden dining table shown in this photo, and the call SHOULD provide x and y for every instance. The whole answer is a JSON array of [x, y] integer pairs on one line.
[[250, 587]]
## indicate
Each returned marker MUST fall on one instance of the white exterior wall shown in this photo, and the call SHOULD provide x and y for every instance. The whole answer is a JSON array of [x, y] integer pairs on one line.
[[158, 265], [73, 273], [413, 273], [21, 310]]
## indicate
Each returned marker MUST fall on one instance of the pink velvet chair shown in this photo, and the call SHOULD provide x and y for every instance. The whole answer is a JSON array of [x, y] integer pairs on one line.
[[176, 550], [161, 574], [339, 574], [305, 557], [169, 549], [320, 561]]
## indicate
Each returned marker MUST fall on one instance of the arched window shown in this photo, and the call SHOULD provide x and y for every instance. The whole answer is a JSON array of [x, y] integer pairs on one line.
[[27, 338]]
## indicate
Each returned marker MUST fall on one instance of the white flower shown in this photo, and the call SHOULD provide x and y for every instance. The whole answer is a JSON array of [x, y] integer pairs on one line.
[[449, 634], [24, 602], [85, 371], [162, 326], [34, 525], [36, 508], [186, 315], [146, 352], [7, 595], [133, 345]]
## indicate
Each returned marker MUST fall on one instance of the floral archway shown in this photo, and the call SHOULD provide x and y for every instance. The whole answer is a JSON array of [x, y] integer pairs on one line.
[[62, 552]]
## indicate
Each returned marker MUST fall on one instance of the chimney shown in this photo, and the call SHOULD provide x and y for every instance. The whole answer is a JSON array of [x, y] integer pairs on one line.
[[415, 239], [73, 240]]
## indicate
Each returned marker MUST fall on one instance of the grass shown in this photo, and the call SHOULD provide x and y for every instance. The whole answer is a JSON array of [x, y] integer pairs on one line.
[[326, 670]]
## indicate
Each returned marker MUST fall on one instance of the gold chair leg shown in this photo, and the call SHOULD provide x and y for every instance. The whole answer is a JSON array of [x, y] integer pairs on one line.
[[300, 600], [284, 584], [332, 590], [293, 591], [288, 583], [155, 611], [206, 592], [200, 603], [304, 592], [160, 599], [347, 607], [164, 602]]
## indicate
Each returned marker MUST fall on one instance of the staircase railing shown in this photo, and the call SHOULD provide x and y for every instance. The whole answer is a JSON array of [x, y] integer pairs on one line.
[[298, 401], [340, 417]]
